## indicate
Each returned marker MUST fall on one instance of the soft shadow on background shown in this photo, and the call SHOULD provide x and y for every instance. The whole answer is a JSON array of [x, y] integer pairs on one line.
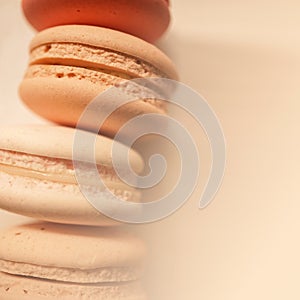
[[245, 245]]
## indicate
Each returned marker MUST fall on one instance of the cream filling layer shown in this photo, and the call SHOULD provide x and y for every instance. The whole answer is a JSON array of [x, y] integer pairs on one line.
[[88, 56], [112, 66], [17, 171], [61, 71], [48, 168], [61, 171], [115, 187]]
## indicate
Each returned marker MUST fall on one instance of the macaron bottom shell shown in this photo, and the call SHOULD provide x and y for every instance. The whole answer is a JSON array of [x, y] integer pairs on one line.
[[51, 201], [51, 261], [14, 287], [64, 101], [147, 19]]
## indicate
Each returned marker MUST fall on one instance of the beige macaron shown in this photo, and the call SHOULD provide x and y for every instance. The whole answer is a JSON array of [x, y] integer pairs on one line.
[[50, 261], [71, 65], [38, 177]]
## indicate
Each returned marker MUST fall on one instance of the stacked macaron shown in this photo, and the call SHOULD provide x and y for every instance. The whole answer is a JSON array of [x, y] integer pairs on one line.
[[73, 63], [85, 47], [51, 261]]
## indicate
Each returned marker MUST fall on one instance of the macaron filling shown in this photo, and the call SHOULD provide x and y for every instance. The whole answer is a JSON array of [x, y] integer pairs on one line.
[[59, 171], [80, 55], [58, 71], [100, 66]]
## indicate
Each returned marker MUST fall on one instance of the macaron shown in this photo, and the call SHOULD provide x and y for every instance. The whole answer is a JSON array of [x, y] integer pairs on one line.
[[51, 261], [38, 179], [146, 19], [71, 65]]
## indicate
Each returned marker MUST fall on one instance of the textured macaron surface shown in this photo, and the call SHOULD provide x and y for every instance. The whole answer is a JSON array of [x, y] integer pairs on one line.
[[14, 287], [57, 142], [70, 66], [38, 177], [147, 19], [71, 253], [102, 41]]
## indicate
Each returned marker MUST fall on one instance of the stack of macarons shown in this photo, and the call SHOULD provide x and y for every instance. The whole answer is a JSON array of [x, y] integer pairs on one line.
[[73, 63], [73, 251]]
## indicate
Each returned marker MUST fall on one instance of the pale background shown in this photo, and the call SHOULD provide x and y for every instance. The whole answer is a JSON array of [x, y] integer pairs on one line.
[[243, 57]]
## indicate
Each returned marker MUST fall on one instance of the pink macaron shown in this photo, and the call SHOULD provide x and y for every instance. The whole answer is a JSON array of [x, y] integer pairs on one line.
[[147, 19]]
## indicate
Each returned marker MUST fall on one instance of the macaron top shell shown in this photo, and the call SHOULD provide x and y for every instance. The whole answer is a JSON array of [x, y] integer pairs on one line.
[[147, 19], [63, 246], [107, 39], [57, 142]]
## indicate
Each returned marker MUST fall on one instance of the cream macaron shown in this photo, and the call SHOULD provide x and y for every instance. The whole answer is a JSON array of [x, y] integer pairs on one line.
[[71, 65], [52, 261], [38, 179]]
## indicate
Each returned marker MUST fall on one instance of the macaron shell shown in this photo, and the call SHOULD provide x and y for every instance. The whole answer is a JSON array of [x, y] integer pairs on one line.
[[71, 275], [25, 288], [147, 19], [107, 39], [63, 246], [58, 141], [52, 201], [64, 100]]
